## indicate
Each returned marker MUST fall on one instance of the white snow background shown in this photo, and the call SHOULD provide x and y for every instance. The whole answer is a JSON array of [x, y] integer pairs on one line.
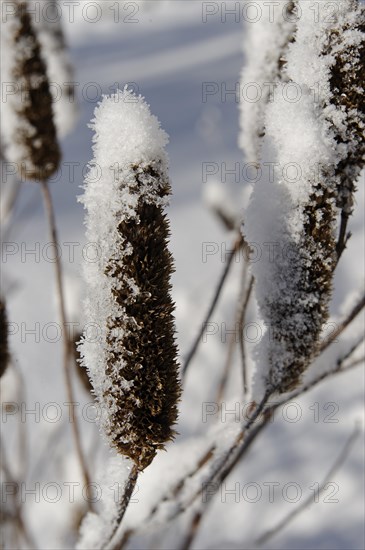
[[167, 56]]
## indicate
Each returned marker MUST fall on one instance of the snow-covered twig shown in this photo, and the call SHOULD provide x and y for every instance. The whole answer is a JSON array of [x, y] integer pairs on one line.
[[243, 444]]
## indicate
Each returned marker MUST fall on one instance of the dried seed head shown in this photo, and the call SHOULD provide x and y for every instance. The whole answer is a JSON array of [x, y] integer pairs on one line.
[[4, 346], [320, 134], [133, 367], [29, 130], [48, 26]]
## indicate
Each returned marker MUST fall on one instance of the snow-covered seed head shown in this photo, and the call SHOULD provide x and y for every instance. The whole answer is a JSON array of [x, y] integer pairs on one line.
[[28, 126], [48, 26], [265, 45], [133, 365], [4, 348], [321, 134]]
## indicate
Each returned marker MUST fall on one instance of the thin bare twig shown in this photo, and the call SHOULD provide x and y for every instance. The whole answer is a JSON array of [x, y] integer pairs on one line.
[[355, 363], [238, 324], [241, 335], [226, 370], [338, 369], [343, 236], [237, 245], [343, 324], [194, 525], [222, 470], [48, 205], [308, 501]]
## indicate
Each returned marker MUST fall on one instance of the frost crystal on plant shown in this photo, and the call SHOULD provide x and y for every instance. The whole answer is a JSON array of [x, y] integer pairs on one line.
[[132, 364]]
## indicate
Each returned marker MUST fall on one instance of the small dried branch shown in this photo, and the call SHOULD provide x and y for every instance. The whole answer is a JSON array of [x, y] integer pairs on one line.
[[338, 369], [309, 501], [342, 325], [242, 318], [48, 205], [239, 318], [355, 363], [239, 242], [343, 236]]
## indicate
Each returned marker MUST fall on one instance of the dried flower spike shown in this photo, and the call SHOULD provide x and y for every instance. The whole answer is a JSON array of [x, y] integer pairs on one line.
[[319, 137], [27, 112], [48, 26], [133, 365]]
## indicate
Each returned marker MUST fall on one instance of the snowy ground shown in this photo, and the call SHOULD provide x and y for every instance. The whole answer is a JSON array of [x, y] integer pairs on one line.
[[169, 54]]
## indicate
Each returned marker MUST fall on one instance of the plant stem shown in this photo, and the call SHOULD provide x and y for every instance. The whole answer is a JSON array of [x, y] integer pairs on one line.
[[343, 324], [237, 245], [123, 505], [48, 206]]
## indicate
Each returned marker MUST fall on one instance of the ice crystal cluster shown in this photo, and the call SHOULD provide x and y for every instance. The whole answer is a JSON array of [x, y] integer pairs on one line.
[[28, 129], [132, 364], [314, 152]]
